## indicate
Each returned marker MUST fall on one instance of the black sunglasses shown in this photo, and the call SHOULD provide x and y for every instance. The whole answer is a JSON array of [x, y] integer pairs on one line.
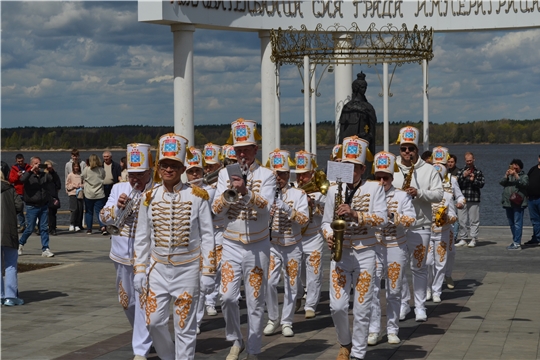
[[405, 148], [385, 178]]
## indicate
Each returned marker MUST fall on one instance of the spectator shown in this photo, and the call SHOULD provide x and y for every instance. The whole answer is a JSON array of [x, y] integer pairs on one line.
[[451, 165], [11, 205], [54, 203], [94, 193], [5, 169], [470, 180], [113, 171], [515, 182], [74, 189], [75, 157], [36, 196], [534, 202], [15, 174], [124, 175]]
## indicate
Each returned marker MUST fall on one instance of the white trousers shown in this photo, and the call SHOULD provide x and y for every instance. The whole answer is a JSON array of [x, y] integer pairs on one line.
[[356, 267], [391, 262], [211, 299], [179, 284], [417, 246], [436, 260], [288, 259], [249, 263], [129, 299], [451, 253], [312, 274], [469, 220]]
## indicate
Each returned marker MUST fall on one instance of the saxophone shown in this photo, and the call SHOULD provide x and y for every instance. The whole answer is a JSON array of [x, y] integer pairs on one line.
[[338, 225], [408, 178], [441, 216]]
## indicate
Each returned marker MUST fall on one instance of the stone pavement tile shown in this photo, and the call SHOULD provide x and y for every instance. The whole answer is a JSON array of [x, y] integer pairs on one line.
[[482, 352], [495, 325], [521, 344], [466, 324], [403, 354]]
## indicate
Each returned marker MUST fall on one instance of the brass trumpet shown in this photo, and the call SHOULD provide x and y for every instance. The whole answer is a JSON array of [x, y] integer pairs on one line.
[[338, 225], [133, 198]]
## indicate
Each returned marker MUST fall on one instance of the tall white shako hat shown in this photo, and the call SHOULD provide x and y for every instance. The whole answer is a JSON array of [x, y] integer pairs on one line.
[[229, 152], [441, 169], [212, 154], [384, 161], [440, 155], [355, 150], [408, 135], [138, 157], [196, 159], [336, 152], [244, 132], [280, 160], [173, 146], [305, 161]]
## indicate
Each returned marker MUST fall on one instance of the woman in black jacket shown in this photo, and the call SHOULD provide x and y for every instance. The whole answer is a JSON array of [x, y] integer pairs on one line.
[[54, 203]]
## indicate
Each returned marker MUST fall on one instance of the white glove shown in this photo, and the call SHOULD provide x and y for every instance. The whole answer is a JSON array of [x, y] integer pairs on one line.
[[139, 282], [280, 204], [208, 284]]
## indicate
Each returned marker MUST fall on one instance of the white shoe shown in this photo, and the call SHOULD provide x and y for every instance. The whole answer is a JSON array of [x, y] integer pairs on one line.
[[198, 330], [211, 310], [405, 309], [436, 298], [20, 250], [421, 315], [461, 243], [139, 357], [234, 354], [372, 338], [77, 229], [270, 328], [449, 282], [286, 330], [393, 339], [472, 243], [47, 253], [71, 228], [428, 294]]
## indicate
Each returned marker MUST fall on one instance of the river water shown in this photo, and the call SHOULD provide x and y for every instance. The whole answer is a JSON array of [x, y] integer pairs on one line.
[[493, 160]]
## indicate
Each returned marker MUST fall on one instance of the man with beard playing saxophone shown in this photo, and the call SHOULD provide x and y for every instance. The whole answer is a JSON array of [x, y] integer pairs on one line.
[[122, 223], [423, 183], [364, 209]]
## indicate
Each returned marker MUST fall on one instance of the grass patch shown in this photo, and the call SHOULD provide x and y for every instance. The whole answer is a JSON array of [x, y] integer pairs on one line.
[[24, 267]]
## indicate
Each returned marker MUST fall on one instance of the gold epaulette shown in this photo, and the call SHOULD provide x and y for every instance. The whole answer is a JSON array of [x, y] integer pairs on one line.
[[148, 196], [200, 192]]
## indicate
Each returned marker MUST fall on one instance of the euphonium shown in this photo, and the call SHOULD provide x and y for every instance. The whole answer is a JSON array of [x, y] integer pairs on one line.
[[123, 214], [318, 183], [338, 225]]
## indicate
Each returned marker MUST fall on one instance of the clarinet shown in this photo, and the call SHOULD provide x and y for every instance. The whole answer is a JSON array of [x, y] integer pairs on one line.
[[271, 223]]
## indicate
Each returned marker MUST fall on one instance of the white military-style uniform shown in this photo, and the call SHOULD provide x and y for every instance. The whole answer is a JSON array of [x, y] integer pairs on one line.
[[286, 252], [176, 244], [246, 251], [391, 259], [357, 265], [450, 184], [122, 255]]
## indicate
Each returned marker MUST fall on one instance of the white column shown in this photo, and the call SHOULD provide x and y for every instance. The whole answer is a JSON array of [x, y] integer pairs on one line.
[[269, 122], [307, 132], [183, 81], [426, 104], [386, 126], [343, 78], [277, 110], [313, 94]]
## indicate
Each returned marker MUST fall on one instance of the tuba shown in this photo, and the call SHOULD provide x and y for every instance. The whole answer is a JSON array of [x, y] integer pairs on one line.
[[133, 199], [338, 225]]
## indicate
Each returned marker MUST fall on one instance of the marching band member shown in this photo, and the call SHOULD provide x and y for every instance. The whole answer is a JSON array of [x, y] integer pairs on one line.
[[246, 202], [123, 221], [391, 250], [444, 215], [229, 155], [336, 153], [423, 183], [173, 246], [312, 240], [289, 213], [363, 209], [450, 184]]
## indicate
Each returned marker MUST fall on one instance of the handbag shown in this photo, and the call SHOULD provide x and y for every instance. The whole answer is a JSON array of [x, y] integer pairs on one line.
[[516, 199], [80, 194], [54, 203]]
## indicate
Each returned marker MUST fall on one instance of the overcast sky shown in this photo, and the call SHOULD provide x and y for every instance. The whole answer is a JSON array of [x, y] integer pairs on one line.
[[94, 64]]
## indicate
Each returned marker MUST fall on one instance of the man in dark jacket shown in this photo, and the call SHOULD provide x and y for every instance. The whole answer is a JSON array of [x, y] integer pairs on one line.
[[15, 174], [113, 171], [37, 199]]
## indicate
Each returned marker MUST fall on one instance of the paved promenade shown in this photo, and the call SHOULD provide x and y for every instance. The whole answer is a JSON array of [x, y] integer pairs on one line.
[[72, 312]]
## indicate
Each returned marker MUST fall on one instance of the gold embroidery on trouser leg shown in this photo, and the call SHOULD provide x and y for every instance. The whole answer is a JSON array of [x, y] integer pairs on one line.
[[451, 242], [151, 305], [315, 261], [271, 266], [338, 281], [183, 302], [441, 250], [393, 273], [218, 255], [227, 275], [419, 254], [255, 280], [362, 285], [122, 296], [292, 271]]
